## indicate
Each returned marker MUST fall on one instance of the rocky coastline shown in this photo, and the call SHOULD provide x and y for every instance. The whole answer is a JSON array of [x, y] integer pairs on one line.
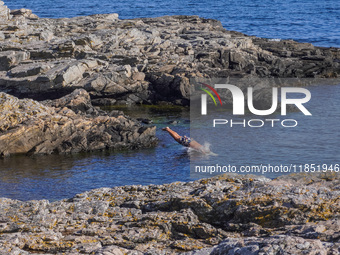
[[114, 62], [145, 60], [227, 214], [53, 75]]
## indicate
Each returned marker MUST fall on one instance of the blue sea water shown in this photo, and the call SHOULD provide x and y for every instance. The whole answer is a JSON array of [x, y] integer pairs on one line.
[[56, 177], [273, 149], [313, 21], [62, 176], [315, 140]]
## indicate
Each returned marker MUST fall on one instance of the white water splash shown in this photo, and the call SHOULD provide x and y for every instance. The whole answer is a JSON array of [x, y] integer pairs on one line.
[[204, 151]]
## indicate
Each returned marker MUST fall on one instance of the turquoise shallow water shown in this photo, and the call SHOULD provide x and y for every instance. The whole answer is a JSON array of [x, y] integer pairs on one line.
[[311, 21]]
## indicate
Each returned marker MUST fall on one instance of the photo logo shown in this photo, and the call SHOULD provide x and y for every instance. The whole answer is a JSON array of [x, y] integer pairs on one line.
[[288, 97], [208, 92], [239, 99]]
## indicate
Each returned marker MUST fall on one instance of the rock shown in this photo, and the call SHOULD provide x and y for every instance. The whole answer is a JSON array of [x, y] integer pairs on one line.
[[116, 250], [142, 61], [112, 16], [145, 121], [104, 101], [11, 58], [29, 127], [280, 244], [28, 70], [67, 48], [4, 13], [139, 76], [72, 73], [173, 122], [78, 101], [226, 214], [23, 12], [167, 68], [46, 36]]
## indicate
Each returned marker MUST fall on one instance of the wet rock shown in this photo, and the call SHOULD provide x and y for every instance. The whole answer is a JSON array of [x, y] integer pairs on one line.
[[173, 122], [145, 121]]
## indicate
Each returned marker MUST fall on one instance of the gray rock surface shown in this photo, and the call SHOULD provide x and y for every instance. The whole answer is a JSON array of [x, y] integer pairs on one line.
[[146, 60], [4, 13], [69, 63], [68, 124], [227, 214]]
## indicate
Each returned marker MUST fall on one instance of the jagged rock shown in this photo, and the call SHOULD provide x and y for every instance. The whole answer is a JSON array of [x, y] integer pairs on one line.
[[139, 76], [78, 101], [145, 121], [4, 13], [24, 13], [29, 127], [11, 58], [148, 60], [280, 244], [28, 70], [226, 214]]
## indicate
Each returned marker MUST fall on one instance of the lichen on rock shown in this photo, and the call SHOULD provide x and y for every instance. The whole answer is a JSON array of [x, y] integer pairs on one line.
[[227, 214]]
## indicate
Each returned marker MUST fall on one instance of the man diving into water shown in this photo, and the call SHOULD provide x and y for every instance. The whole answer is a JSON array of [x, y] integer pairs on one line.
[[186, 141]]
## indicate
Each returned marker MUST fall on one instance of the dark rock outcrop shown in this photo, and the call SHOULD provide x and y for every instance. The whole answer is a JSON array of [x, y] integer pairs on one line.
[[227, 214], [69, 124]]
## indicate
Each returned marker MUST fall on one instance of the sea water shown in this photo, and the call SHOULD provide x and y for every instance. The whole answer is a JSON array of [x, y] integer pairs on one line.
[[315, 140], [56, 177]]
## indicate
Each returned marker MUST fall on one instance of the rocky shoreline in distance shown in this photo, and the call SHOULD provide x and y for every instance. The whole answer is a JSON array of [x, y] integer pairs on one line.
[[227, 214]]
